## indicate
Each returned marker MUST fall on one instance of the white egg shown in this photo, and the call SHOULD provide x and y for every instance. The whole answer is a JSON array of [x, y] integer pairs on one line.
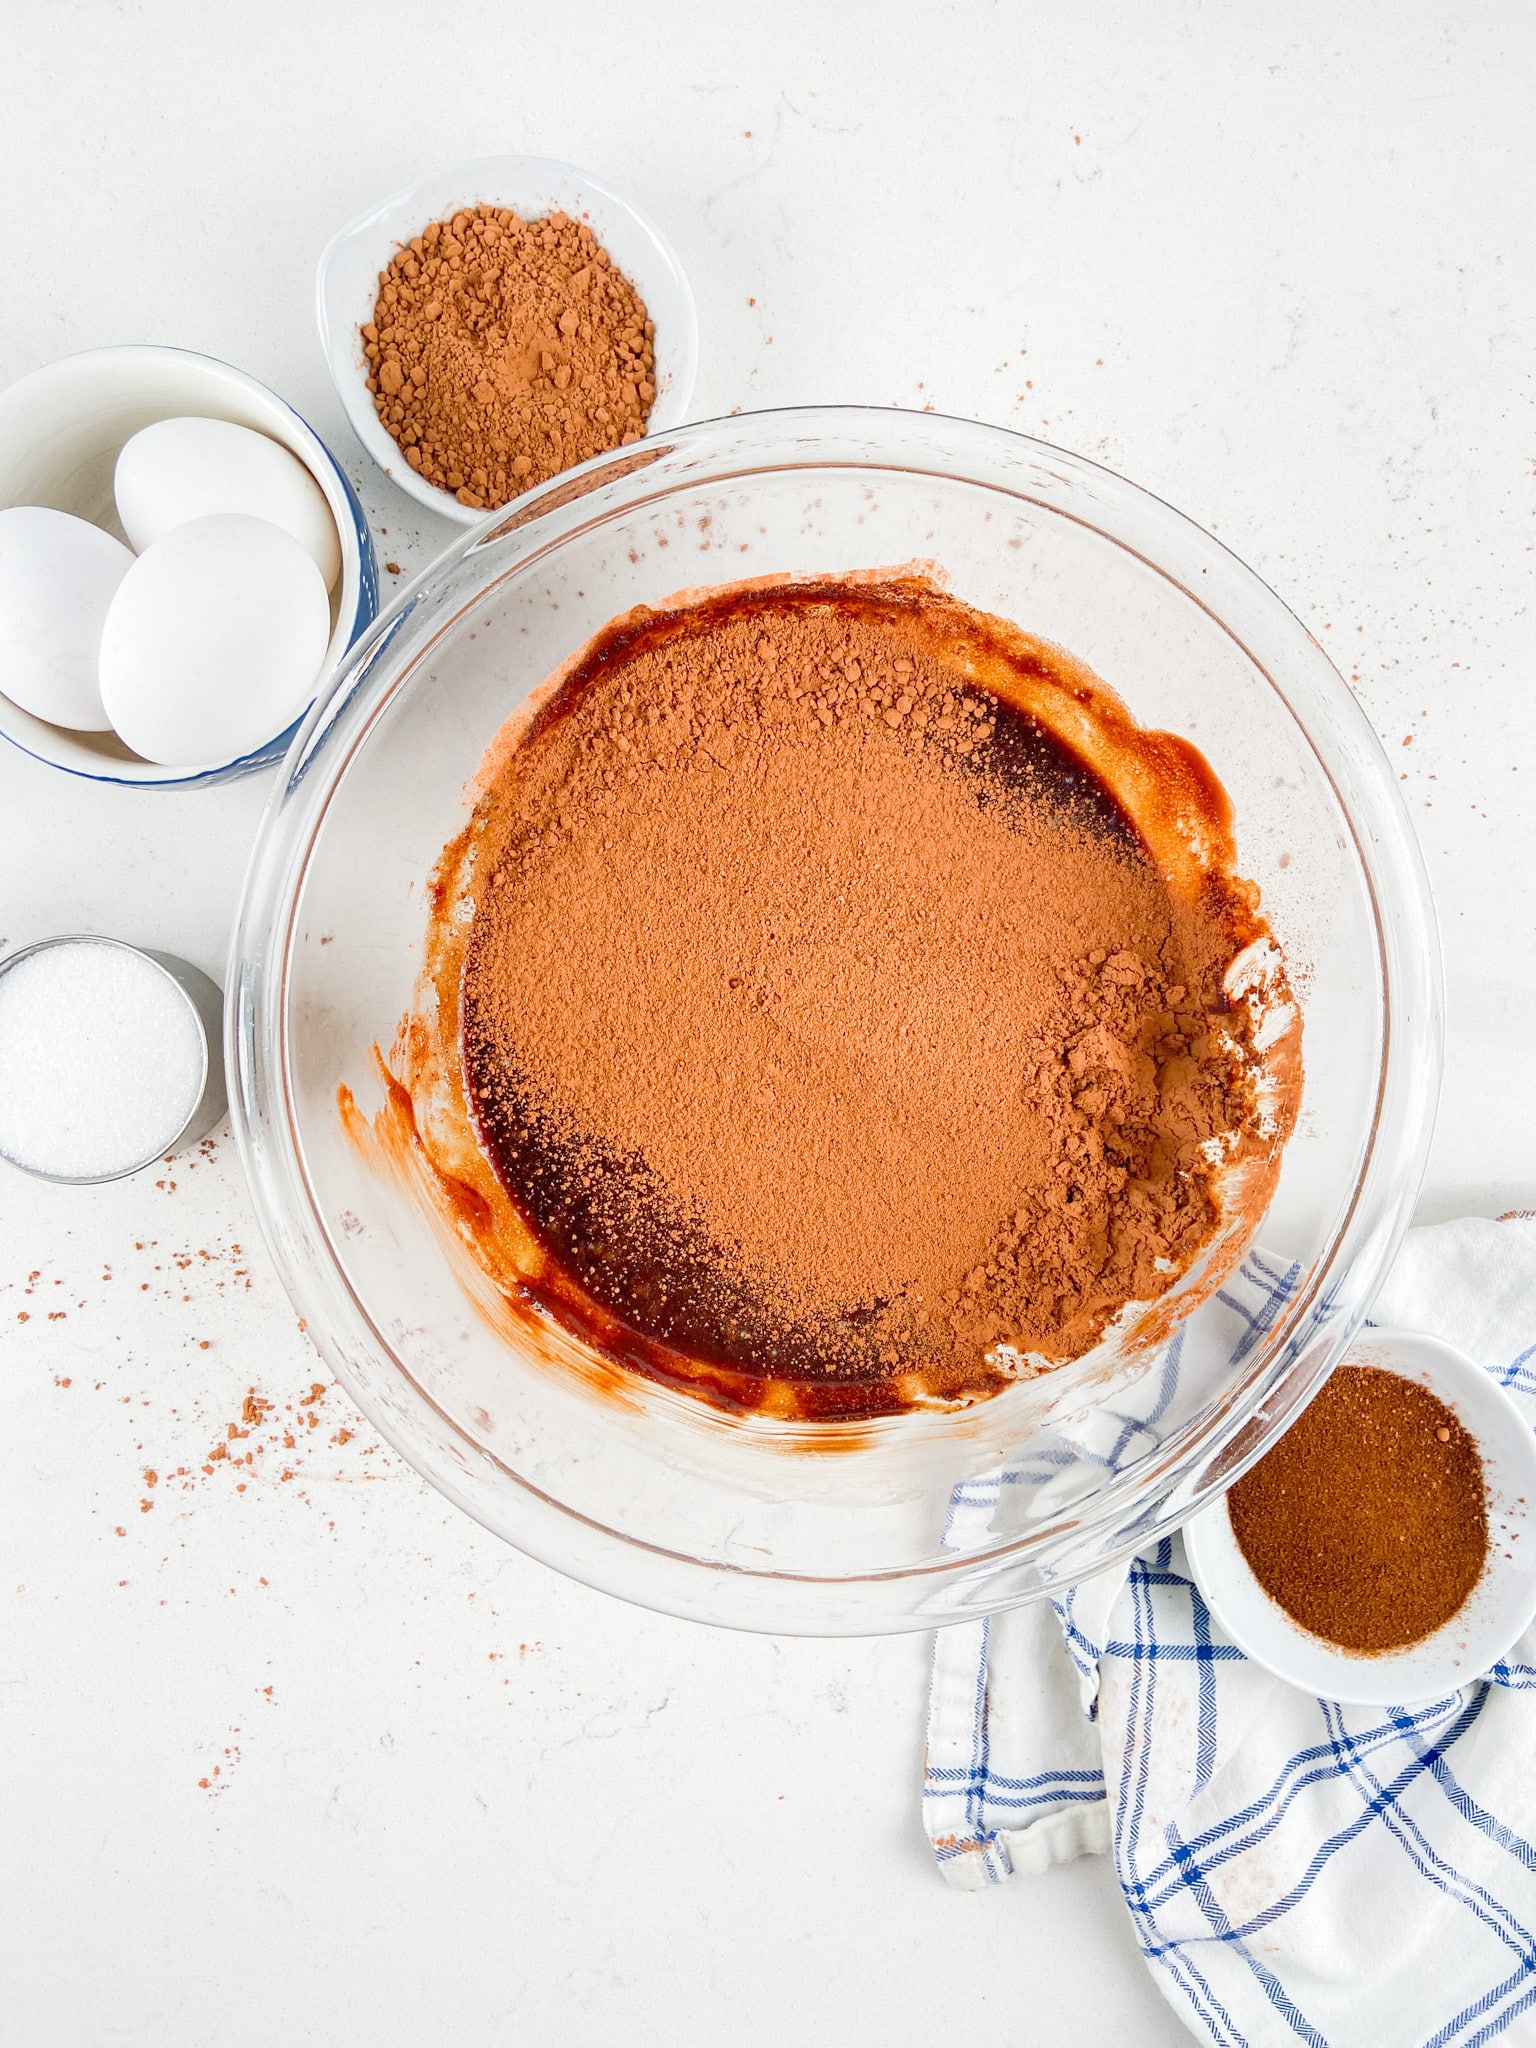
[[58, 575], [179, 470], [214, 641]]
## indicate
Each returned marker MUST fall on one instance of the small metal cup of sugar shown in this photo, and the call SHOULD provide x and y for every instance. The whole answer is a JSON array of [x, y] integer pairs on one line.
[[110, 1057]]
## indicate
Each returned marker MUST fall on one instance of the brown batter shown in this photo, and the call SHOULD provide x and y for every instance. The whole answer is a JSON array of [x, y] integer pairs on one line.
[[839, 1036]]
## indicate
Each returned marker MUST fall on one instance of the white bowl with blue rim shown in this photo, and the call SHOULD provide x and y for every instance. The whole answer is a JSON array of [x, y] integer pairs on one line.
[[347, 288], [60, 432]]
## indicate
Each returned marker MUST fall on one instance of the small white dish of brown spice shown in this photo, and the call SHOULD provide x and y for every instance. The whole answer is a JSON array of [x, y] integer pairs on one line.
[[1383, 1552], [499, 323]]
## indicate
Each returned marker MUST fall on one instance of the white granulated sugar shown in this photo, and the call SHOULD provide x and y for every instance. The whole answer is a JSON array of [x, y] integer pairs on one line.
[[101, 1060]]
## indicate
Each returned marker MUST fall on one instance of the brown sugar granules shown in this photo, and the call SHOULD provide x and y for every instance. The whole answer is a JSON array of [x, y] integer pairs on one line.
[[827, 1019], [502, 351], [1368, 1521]]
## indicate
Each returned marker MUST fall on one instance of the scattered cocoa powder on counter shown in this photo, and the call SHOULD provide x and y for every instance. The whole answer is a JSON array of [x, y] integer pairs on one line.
[[826, 1017], [502, 351], [1368, 1521]]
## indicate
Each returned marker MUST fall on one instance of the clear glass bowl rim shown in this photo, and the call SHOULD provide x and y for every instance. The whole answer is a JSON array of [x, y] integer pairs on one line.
[[1127, 1515]]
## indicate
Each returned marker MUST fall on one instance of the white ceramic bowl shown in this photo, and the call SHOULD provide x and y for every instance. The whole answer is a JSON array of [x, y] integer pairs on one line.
[[1502, 1605], [347, 287], [60, 432]]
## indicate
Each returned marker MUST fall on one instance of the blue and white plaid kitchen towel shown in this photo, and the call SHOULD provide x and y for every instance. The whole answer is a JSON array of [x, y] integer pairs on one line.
[[1351, 1877]]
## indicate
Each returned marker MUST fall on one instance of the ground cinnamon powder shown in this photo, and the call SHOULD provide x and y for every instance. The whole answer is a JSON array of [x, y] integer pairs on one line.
[[828, 1019], [1368, 1521], [502, 351]]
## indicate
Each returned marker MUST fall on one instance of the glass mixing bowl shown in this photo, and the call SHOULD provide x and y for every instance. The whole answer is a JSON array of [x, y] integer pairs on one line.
[[657, 1498]]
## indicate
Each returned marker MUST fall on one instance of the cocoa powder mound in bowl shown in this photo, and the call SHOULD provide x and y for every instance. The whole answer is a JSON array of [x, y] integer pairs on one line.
[[1368, 1521], [832, 1026], [503, 350], [530, 236]]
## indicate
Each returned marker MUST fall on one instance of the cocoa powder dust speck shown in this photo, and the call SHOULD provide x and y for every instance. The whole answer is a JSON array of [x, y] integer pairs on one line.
[[826, 1018], [502, 351]]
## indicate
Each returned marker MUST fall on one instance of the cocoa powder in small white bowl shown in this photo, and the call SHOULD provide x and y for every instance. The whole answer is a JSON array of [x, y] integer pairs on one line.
[[483, 377], [1368, 1575]]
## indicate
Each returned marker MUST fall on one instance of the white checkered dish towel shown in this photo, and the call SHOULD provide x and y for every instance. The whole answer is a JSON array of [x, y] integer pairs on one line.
[[1350, 1877]]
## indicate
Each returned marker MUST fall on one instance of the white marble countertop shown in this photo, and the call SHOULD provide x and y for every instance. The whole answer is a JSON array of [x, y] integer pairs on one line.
[[318, 1761]]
